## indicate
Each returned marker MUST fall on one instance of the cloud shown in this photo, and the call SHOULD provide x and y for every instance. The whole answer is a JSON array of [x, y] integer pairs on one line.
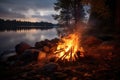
[[7, 13], [27, 9]]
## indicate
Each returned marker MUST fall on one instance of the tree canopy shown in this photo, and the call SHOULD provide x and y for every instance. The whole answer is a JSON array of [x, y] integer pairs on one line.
[[72, 9], [102, 11], [69, 11]]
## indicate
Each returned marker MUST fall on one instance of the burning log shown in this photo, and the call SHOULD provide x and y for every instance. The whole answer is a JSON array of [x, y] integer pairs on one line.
[[68, 48]]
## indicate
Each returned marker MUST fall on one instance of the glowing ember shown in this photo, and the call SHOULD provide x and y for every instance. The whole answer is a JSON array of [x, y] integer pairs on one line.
[[68, 47]]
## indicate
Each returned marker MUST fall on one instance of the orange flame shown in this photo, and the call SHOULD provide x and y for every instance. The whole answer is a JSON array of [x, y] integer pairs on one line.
[[68, 47]]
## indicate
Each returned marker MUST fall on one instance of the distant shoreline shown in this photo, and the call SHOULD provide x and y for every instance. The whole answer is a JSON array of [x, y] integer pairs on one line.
[[19, 25], [25, 28]]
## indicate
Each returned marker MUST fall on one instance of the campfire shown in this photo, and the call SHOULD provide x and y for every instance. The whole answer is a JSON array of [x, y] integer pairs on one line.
[[69, 48]]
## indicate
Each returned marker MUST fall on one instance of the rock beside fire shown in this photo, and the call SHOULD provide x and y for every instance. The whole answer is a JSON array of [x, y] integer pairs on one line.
[[28, 53], [48, 43], [21, 47], [47, 46], [8, 57], [28, 56]]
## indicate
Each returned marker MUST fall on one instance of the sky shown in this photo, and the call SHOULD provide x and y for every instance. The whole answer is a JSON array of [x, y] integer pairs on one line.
[[28, 10]]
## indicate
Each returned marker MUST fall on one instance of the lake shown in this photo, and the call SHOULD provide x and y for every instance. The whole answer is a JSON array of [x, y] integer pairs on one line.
[[9, 39]]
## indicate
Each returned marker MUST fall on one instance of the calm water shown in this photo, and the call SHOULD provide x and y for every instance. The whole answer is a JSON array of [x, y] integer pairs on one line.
[[8, 39]]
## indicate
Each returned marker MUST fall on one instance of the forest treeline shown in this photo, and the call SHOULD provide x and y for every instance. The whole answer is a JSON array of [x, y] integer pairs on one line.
[[14, 25]]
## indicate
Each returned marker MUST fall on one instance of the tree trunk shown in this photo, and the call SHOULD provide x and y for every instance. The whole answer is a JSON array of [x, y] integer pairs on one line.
[[117, 21], [77, 13]]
